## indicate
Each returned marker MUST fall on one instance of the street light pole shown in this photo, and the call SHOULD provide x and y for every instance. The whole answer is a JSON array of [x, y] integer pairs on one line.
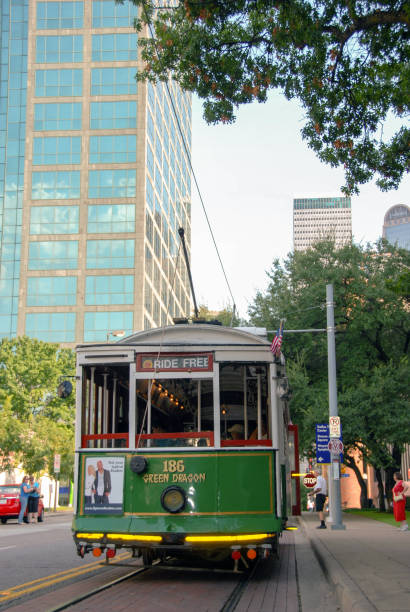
[[334, 480]]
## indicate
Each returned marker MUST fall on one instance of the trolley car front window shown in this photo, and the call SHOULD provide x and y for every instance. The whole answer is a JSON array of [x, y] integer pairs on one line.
[[174, 412]]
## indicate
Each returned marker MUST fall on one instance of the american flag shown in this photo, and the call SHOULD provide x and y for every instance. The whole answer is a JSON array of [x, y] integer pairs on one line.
[[277, 341]]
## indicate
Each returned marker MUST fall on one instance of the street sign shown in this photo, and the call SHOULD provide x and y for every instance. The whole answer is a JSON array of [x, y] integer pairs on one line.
[[334, 426], [309, 480], [57, 463], [335, 446], [322, 444]]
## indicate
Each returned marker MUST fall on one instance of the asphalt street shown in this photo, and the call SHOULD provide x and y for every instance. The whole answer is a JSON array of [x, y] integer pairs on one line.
[[28, 552]]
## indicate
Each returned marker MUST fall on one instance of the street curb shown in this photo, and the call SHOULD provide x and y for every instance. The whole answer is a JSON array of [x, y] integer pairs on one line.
[[348, 592]]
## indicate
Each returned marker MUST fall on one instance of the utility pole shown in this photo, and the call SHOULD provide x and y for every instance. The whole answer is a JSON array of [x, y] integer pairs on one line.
[[334, 477]]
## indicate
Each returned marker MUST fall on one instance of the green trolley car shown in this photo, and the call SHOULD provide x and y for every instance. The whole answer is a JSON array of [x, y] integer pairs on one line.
[[181, 444]]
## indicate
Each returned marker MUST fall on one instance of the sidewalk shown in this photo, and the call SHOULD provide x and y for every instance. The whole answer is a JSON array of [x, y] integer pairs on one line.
[[368, 564], [58, 512]]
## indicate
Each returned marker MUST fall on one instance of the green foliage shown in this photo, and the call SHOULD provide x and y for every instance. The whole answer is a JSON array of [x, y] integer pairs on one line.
[[224, 316], [34, 422], [372, 342], [346, 61]]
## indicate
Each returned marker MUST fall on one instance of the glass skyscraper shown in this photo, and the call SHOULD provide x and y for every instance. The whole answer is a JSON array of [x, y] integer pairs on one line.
[[94, 176], [396, 226]]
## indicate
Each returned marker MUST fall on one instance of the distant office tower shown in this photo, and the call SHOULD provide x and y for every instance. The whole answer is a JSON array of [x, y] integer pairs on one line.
[[396, 227], [316, 219], [94, 176]]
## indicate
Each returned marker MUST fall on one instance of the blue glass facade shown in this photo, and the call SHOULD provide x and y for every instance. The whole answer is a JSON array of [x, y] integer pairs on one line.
[[399, 235], [396, 227], [107, 180], [13, 89]]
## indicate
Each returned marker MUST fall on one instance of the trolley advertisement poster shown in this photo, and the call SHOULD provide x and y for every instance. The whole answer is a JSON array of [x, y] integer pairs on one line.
[[104, 485]]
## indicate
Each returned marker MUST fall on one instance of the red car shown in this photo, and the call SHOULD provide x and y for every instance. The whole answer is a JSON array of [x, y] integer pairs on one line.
[[10, 504]]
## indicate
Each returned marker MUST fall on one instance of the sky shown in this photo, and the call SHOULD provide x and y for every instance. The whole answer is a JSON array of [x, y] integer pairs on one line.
[[248, 174]]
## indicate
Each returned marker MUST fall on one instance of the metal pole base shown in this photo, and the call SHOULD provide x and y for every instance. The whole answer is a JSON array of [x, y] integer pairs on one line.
[[338, 526]]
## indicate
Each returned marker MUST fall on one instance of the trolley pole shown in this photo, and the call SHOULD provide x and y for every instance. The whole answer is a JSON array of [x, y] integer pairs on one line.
[[334, 479]]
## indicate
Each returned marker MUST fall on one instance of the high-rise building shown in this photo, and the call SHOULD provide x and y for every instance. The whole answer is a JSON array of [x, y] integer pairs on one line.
[[94, 176], [316, 219], [396, 226]]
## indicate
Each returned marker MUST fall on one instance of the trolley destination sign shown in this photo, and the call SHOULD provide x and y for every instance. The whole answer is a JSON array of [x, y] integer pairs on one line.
[[174, 362]]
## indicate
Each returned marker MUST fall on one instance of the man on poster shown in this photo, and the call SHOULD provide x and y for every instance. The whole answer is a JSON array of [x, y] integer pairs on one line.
[[102, 485]]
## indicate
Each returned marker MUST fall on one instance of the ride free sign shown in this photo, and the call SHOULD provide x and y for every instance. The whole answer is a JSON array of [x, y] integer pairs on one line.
[[174, 362]]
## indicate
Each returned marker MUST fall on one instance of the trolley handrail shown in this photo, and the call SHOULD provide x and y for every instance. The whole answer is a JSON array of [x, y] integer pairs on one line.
[[117, 436], [153, 436], [178, 435], [246, 442]]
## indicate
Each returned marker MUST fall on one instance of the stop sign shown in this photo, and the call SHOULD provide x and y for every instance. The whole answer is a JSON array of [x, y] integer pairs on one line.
[[309, 480]]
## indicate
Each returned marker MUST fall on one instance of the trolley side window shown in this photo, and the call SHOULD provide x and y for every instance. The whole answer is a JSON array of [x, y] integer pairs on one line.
[[178, 413], [104, 409]]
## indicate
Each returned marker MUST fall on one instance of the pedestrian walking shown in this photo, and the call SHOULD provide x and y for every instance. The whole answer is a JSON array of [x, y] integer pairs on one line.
[[399, 501], [320, 491]]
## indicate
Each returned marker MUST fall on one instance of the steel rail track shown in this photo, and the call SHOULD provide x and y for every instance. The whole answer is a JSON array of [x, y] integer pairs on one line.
[[229, 605], [103, 587]]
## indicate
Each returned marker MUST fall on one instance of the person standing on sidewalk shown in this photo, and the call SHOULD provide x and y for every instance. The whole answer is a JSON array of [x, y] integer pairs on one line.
[[320, 491], [33, 500], [25, 491], [399, 501]]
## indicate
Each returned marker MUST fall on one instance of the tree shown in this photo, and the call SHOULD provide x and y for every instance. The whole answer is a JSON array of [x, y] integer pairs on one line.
[[225, 316], [34, 422], [372, 345], [346, 61]]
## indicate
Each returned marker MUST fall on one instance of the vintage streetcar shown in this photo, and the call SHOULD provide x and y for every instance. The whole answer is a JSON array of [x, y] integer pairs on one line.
[[182, 445]]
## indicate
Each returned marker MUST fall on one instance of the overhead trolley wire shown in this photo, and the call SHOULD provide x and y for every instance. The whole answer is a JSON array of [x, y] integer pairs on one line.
[[148, 20]]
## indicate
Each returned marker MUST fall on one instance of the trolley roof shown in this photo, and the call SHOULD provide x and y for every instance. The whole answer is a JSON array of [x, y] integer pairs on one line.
[[186, 337]]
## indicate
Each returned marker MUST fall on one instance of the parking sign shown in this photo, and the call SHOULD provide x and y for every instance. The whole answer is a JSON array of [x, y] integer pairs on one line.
[[57, 463]]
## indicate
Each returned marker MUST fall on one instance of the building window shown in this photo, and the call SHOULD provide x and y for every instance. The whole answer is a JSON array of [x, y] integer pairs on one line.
[[113, 81], [53, 255], [56, 185], [149, 228], [111, 183], [111, 218], [113, 115], [64, 116], [110, 254], [62, 82], [56, 150], [150, 160], [97, 325], [52, 291], [59, 15], [158, 149], [111, 14], [51, 326], [59, 49], [109, 290], [150, 127], [54, 220], [114, 47], [148, 262], [150, 195], [117, 149]]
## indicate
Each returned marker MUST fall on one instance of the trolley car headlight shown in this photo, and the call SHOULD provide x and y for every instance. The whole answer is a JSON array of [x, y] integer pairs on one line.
[[173, 499], [138, 464]]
